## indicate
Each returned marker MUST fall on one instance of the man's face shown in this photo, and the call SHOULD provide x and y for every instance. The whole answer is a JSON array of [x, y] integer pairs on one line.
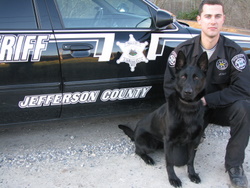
[[211, 20]]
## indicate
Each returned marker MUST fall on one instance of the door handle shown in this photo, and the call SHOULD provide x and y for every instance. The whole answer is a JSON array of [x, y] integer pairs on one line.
[[77, 47]]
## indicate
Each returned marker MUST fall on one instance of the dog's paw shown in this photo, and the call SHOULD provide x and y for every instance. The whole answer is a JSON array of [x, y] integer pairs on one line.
[[194, 178], [148, 160], [176, 182]]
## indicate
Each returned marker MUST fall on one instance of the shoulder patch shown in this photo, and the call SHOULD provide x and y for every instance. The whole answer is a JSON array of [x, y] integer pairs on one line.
[[239, 62], [172, 59]]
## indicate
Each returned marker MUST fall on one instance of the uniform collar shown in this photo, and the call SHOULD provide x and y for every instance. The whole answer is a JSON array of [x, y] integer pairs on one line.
[[219, 53]]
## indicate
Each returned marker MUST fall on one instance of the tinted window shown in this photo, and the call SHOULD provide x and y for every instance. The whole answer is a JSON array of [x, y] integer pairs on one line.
[[17, 14], [104, 14]]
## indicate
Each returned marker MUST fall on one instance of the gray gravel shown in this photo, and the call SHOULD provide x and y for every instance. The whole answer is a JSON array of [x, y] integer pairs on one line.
[[22, 156], [83, 152], [93, 152]]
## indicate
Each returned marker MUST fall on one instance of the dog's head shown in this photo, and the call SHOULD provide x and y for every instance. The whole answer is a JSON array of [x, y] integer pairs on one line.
[[190, 77]]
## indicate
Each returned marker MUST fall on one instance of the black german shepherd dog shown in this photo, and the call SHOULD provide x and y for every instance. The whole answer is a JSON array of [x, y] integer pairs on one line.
[[178, 124]]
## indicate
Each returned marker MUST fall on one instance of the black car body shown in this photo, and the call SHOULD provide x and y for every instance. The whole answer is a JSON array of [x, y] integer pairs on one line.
[[63, 59]]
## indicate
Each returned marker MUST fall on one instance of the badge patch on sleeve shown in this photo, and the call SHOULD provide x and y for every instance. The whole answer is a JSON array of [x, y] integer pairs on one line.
[[172, 59], [239, 62]]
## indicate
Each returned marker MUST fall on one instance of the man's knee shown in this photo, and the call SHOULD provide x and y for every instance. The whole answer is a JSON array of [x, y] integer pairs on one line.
[[242, 104], [240, 114], [240, 108], [235, 114]]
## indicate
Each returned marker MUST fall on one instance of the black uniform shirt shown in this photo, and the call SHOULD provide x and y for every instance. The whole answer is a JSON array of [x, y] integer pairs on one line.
[[228, 75]]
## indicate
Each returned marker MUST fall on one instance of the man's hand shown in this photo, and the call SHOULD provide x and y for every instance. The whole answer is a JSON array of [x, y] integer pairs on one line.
[[203, 100]]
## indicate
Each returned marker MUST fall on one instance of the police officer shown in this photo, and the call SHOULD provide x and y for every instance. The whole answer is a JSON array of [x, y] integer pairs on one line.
[[228, 84]]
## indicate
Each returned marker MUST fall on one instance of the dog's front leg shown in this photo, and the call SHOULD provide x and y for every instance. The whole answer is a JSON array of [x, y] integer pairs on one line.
[[193, 176], [172, 178]]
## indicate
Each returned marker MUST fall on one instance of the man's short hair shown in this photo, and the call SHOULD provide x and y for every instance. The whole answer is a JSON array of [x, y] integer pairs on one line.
[[210, 2]]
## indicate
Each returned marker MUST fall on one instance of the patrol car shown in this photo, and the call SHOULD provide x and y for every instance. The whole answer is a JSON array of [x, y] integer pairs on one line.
[[71, 58]]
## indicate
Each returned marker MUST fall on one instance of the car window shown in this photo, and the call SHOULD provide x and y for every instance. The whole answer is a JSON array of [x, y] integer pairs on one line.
[[104, 14], [17, 15]]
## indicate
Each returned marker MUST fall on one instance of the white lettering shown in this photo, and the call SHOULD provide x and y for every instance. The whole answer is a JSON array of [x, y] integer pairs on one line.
[[93, 96], [18, 47], [125, 93], [41, 45], [75, 98], [83, 97], [56, 100], [114, 95], [22, 47], [28, 46], [145, 90], [33, 101], [41, 100], [122, 94], [6, 51], [66, 98], [50, 99], [24, 103], [105, 95]]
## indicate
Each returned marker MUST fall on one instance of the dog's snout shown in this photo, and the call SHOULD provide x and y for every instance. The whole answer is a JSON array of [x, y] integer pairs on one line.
[[188, 91]]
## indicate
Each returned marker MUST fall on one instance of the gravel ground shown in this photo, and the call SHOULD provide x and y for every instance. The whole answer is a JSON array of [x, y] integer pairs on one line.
[[93, 152]]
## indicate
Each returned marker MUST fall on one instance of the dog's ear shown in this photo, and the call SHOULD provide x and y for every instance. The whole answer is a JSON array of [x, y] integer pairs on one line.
[[203, 62], [180, 61]]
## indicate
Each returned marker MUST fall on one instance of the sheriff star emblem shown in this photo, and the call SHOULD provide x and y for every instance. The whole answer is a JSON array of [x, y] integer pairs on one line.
[[132, 52]]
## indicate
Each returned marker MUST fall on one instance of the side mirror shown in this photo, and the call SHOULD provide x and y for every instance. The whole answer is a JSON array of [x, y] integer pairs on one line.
[[163, 19]]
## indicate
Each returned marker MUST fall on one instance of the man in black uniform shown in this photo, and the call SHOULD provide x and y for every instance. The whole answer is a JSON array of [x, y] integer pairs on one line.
[[227, 97]]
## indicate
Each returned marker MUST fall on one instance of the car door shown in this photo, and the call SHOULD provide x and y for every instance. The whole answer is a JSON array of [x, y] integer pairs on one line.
[[104, 45], [29, 64]]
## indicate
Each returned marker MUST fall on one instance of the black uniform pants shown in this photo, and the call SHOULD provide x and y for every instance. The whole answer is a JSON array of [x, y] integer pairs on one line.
[[237, 116]]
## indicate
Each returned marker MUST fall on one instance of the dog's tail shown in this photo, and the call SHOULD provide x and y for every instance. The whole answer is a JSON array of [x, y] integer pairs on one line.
[[128, 131]]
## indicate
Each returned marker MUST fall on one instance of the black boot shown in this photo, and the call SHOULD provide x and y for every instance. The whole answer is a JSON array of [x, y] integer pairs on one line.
[[238, 177]]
